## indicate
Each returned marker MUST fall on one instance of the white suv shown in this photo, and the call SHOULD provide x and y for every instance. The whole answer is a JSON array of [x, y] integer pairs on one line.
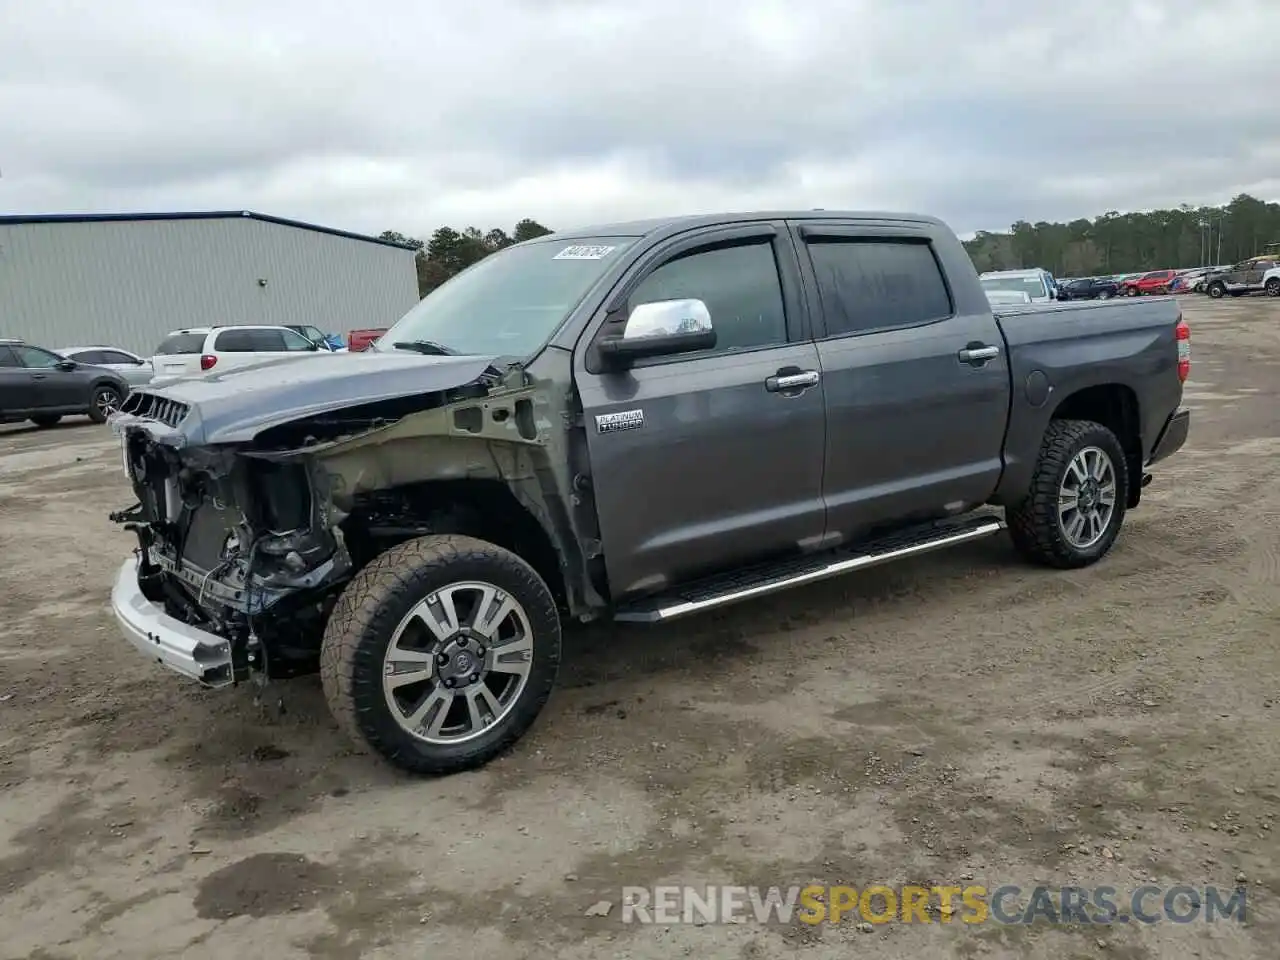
[[187, 353]]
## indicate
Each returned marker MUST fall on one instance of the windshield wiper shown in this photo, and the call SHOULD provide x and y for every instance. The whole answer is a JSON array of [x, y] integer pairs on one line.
[[428, 347]]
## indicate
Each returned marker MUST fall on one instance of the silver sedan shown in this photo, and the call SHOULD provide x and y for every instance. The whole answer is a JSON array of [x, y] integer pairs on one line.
[[135, 370]]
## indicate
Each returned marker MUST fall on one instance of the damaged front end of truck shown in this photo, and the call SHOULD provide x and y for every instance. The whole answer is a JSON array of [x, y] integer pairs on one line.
[[253, 514]]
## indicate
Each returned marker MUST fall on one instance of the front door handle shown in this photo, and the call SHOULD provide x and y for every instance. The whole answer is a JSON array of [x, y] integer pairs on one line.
[[39, 376], [977, 354], [789, 382]]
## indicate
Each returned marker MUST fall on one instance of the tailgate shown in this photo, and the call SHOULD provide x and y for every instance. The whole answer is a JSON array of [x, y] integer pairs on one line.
[[176, 364]]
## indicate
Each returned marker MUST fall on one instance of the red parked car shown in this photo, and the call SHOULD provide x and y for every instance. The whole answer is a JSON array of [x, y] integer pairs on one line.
[[358, 340], [1157, 281]]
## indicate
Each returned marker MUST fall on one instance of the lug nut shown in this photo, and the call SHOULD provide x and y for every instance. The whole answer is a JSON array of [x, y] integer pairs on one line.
[[448, 681], [475, 677], [479, 651], [462, 641], [442, 658]]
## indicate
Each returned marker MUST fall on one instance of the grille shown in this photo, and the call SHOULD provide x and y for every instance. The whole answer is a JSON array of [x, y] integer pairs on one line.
[[148, 405]]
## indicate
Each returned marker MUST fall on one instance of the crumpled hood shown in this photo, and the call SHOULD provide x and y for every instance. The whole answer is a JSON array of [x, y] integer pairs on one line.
[[234, 406]]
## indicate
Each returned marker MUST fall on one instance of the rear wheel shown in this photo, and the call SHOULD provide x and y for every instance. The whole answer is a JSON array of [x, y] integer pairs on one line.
[[1216, 290], [1104, 295], [441, 653], [46, 420], [1073, 512], [106, 401]]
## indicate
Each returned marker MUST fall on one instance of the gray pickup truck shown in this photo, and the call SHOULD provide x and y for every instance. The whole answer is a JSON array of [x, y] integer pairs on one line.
[[637, 421]]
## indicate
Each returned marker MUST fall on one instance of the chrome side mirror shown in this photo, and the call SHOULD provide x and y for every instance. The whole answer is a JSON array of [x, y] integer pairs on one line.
[[661, 328]]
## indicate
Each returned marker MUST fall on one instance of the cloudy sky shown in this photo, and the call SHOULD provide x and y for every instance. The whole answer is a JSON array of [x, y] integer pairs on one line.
[[393, 115]]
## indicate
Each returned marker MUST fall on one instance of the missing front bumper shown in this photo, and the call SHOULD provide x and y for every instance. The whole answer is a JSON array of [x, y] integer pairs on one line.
[[185, 649]]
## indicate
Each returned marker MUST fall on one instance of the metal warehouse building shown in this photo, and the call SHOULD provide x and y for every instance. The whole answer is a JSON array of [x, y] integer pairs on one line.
[[128, 279]]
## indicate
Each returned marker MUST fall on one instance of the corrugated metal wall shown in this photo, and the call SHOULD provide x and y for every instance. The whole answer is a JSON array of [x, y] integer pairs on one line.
[[129, 282]]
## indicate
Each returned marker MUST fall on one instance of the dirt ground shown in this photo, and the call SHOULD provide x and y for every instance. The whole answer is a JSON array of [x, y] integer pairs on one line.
[[960, 718]]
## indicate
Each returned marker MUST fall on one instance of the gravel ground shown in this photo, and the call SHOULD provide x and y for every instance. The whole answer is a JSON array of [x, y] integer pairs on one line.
[[958, 716]]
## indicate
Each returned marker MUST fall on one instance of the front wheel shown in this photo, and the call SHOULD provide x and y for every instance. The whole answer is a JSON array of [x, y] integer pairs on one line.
[[106, 401], [1073, 512], [1216, 290], [1104, 295], [1273, 287], [441, 653]]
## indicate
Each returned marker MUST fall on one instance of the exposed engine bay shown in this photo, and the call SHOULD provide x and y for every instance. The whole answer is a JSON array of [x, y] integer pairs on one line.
[[254, 540]]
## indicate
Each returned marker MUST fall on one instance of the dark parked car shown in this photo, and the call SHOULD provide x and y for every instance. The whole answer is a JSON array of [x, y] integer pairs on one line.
[[639, 421], [1090, 288], [43, 387]]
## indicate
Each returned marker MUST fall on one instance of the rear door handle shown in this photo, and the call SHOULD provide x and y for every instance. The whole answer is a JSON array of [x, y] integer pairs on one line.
[[978, 355], [788, 382]]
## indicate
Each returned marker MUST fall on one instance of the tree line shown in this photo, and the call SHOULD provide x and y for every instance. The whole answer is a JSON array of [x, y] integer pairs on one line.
[[1111, 243], [1128, 242], [450, 251]]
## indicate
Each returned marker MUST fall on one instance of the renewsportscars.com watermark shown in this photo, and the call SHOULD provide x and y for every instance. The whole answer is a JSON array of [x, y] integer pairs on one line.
[[971, 904]]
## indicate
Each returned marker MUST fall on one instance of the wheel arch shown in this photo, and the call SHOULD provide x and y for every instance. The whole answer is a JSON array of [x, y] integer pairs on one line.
[[1116, 407], [486, 509]]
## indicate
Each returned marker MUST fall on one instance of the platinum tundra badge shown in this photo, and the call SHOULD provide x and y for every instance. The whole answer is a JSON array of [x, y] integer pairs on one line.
[[624, 420]]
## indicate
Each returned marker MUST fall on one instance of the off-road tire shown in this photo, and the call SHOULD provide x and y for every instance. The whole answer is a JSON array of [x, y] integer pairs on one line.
[[1273, 287], [96, 414], [365, 619], [46, 420], [1216, 290], [1034, 525]]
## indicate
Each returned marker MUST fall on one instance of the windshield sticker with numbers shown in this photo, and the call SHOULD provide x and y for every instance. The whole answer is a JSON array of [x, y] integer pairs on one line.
[[584, 252]]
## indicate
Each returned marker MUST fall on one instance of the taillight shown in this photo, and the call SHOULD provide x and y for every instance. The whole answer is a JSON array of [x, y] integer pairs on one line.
[[207, 360], [1182, 333]]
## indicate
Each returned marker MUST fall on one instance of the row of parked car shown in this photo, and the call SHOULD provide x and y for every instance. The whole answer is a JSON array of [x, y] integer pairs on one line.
[[43, 385], [1256, 275]]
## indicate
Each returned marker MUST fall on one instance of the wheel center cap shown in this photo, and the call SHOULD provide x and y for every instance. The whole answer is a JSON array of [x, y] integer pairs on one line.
[[463, 660], [1088, 495]]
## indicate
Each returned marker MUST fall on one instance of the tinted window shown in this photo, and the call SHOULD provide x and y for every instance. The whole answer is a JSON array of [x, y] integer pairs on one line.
[[249, 341], [8, 358], [866, 284], [181, 343], [115, 356], [739, 285], [35, 357], [89, 356]]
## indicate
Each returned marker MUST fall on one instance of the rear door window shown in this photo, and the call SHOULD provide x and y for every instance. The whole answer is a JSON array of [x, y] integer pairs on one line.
[[180, 343], [874, 284]]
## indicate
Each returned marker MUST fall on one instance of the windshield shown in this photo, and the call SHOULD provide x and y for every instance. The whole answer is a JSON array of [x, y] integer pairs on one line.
[[509, 303], [1033, 286]]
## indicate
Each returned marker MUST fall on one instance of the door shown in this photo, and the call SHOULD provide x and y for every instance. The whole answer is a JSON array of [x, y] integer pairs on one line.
[[917, 394], [1254, 275], [51, 388], [716, 463], [15, 384]]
